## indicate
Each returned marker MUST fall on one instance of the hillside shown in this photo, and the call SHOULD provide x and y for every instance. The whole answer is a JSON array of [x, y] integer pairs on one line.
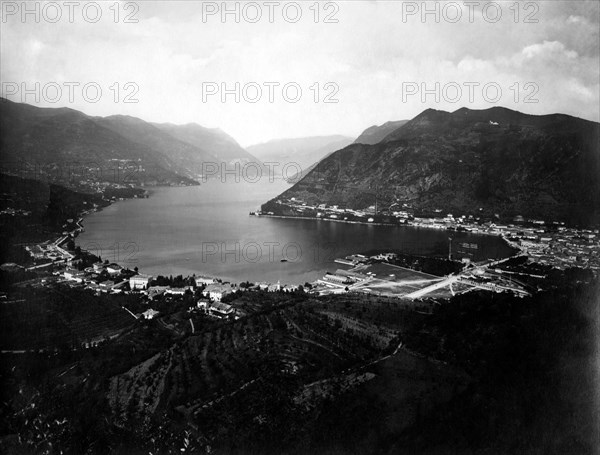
[[493, 161], [64, 145], [375, 134], [213, 140], [35, 211], [483, 373], [186, 159], [303, 151]]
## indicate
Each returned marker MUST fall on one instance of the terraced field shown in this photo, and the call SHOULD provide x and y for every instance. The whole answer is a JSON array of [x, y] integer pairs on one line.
[[307, 341]]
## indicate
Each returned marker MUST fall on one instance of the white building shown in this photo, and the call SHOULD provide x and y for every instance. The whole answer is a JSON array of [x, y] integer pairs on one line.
[[274, 287], [69, 273], [202, 305], [204, 280], [139, 282], [150, 314], [221, 309], [74, 275], [175, 291], [216, 291], [114, 269]]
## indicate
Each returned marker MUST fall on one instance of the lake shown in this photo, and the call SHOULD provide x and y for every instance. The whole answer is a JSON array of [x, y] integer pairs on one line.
[[207, 230]]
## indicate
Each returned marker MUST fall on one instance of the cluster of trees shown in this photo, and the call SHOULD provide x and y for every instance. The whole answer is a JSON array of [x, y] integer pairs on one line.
[[177, 282]]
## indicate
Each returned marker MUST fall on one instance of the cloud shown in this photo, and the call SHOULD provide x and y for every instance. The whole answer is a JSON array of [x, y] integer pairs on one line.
[[369, 54], [548, 49]]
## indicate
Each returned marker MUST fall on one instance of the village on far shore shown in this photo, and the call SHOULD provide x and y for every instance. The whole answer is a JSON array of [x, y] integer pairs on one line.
[[550, 245]]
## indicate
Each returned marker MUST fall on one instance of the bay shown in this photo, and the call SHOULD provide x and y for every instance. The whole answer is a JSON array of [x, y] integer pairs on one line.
[[207, 230]]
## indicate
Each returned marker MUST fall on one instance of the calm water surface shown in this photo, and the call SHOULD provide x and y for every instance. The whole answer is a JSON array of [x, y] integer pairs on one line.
[[207, 230]]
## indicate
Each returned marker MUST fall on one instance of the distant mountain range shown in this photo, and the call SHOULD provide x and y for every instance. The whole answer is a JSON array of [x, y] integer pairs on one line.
[[493, 161], [220, 144], [302, 152], [56, 139], [375, 134]]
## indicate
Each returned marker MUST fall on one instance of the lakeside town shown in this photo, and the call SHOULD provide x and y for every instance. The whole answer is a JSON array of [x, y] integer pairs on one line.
[[535, 242], [550, 243]]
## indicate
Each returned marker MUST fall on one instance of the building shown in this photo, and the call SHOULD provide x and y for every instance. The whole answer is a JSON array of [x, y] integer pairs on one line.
[[175, 291], [338, 279], [150, 314], [74, 275], [221, 309], [274, 287], [204, 280], [98, 267], [36, 251], [216, 291], [106, 285], [290, 287], [93, 286], [385, 256], [69, 273], [140, 282], [114, 269], [73, 261], [357, 258], [202, 304], [155, 291]]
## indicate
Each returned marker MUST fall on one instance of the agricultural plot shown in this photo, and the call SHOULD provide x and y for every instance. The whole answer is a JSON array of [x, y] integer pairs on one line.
[[49, 321], [204, 370]]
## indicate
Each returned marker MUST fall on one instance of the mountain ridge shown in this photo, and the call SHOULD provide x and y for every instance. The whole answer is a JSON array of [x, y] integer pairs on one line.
[[377, 133], [59, 138], [214, 140], [299, 153], [497, 160]]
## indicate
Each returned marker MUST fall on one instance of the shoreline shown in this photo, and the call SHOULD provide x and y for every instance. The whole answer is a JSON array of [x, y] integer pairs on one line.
[[148, 193], [310, 218]]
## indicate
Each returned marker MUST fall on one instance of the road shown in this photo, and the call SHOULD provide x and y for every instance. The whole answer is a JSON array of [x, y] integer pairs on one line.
[[440, 284]]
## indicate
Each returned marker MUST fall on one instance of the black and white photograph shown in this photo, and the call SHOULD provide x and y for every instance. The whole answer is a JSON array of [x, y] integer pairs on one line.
[[312, 227]]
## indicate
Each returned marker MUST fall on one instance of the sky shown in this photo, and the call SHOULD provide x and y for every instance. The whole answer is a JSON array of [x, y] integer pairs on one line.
[[356, 63]]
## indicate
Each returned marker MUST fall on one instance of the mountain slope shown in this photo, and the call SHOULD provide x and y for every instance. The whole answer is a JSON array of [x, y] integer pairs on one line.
[[187, 158], [64, 143], [496, 160], [375, 134], [213, 140], [57, 140], [302, 151]]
